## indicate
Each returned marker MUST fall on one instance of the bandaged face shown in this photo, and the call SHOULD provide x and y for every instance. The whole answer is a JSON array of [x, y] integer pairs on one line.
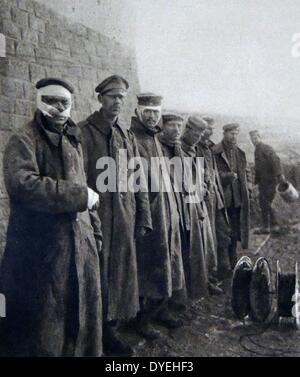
[[172, 130], [55, 102], [149, 115]]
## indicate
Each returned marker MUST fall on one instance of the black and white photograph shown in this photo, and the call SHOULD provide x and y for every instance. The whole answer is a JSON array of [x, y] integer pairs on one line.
[[149, 181]]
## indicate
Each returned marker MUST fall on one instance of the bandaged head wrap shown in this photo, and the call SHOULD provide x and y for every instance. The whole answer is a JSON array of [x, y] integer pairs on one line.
[[53, 90], [140, 110]]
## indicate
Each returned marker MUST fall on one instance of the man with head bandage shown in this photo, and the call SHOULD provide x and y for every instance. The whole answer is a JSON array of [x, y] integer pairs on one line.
[[125, 214], [54, 100], [50, 272], [148, 110], [157, 254]]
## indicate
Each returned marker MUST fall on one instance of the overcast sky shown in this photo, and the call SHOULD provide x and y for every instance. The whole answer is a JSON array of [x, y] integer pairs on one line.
[[230, 56], [223, 56]]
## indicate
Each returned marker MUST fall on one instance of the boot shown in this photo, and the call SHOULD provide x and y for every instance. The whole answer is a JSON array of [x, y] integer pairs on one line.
[[263, 230], [177, 306], [144, 328], [214, 289], [113, 345], [178, 301], [275, 229], [165, 318]]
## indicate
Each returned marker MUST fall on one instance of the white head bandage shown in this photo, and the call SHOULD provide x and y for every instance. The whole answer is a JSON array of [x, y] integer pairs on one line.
[[53, 90], [140, 110]]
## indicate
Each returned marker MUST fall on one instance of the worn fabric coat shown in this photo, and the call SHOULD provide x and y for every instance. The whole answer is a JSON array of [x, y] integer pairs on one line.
[[121, 213], [267, 167], [267, 172], [215, 206], [51, 271], [225, 173], [159, 253], [201, 244]]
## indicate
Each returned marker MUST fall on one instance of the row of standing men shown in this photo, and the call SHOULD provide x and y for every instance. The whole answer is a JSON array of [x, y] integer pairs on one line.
[[151, 250]]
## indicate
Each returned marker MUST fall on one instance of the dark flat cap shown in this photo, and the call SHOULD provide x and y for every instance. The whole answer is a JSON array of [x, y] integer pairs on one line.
[[254, 132], [114, 83], [54, 81], [196, 121], [149, 99], [172, 117], [231, 127], [208, 119]]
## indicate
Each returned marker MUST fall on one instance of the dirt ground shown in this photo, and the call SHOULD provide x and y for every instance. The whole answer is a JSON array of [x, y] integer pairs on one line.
[[210, 327]]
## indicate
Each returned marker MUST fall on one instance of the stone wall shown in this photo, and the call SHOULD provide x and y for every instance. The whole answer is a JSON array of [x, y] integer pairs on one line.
[[40, 43]]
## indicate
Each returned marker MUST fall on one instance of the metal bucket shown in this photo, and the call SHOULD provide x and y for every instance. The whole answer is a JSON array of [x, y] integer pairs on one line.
[[288, 192]]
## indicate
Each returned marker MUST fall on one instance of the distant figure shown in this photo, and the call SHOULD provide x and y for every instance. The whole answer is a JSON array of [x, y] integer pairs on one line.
[[268, 174]]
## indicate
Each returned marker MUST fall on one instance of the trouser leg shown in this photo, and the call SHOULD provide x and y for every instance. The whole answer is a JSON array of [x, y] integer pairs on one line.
[[234, 219], [265, 207], [223, 242], [185, 247], [232, 251], [266, 197], [149, 309], [211, 239]]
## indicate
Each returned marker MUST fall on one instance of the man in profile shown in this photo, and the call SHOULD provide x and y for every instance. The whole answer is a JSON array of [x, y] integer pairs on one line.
[[268, 173]]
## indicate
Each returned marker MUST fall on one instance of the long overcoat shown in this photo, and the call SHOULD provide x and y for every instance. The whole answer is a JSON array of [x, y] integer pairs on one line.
[[267, 169], [215, 205], [50, 273], [201, 242], [242, 172], [121, 213], [159, 253]]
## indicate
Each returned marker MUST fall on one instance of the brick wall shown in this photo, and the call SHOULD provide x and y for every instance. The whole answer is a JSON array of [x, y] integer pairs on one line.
[[40, 43]]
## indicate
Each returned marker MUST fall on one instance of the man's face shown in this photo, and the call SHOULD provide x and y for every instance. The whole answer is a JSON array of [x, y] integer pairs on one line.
[[255, 139], [150, 117], [192, 135], [231, 136], [172, 130], [59, 104], [112, 104], [209, 131]]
